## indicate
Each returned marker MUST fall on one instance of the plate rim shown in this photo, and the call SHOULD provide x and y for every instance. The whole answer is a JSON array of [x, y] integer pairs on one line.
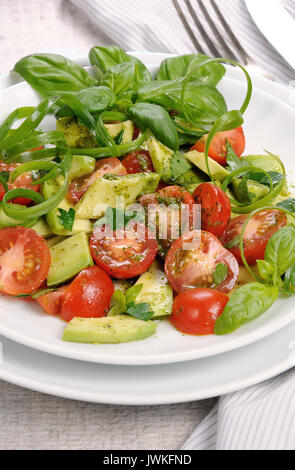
[[168, 358]]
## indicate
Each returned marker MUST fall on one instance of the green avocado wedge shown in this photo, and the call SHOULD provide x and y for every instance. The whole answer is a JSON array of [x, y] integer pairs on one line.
[[108, 330]]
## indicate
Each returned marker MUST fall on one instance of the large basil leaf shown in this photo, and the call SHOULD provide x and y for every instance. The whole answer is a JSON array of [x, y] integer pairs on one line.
[[155, 118], [177, 67], [280, 249], [52, 74], [204, 103], [288, 204], [104, 58], [246, 304], [95, 99]]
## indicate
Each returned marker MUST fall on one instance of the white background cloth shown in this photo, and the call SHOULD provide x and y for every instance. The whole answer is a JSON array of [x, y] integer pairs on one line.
[[30, 420], [262, 417]]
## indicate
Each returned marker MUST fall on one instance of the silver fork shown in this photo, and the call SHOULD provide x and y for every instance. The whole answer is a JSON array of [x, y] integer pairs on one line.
[[236, 53]]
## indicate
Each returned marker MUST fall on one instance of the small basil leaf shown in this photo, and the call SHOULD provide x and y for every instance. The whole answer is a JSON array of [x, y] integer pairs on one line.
[[233, 161], [232, 243], [288, 204], [179, 166], [140, 311], [157, 119], [67, 218], [117, 218], [246, 304], [118, 303], [280, 249], [119, 138], [268, 273], [220, 273], [263, 179], [133, 293]]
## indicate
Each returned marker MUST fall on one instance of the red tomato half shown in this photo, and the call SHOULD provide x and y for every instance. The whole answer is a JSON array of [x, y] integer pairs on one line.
[[79, 186], [124, 253], [89, 295], [24, 260], [259, 230], [218, 148], [215, 208], [138, 162], [52, 302], [192, 259], [23, 181], [195, 311], [170, 221]]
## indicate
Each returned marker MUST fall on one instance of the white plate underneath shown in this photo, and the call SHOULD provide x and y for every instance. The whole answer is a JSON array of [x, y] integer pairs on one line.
[[149, 385], [270, 124]]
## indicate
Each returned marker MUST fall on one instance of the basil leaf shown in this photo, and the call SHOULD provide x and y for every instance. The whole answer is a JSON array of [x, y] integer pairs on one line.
[[242, 192], [119, 138], [67, 218], [118, 303], [246, 304], [133, 293], [289, 281], [263, 179], [177, 67], [179, 166], [233, 161], [104, 58], [52, 74], [280, 249], [203, 103], [140, 311], [288, 204], [220, 273], [155, 118]]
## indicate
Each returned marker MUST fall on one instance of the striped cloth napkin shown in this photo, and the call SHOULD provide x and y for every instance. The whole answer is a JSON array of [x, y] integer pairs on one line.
[[154, 25], [263, 416]]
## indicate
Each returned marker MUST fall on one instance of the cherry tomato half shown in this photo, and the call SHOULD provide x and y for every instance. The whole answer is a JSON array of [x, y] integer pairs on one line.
[[192, 260], [24, 260], [218, 147], [23, 181], [52, 302], [195, 311], [124, 253], [138, 162], [215, 208], [105, 166], [259, 230], [169, 223], [89, 295]]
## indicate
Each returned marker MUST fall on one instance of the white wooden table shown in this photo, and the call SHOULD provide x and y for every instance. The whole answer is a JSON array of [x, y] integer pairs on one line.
[[31, 420]]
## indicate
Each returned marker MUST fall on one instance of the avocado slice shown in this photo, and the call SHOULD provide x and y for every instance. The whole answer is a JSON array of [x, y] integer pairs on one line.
[[49, 188], [161, 157], [258, 190], [218, 172], [81, 166], [108, 330], [105, 191], [55, 240], [265, 162], [77, 135], [156, 291], [68, 258], [42, 228]]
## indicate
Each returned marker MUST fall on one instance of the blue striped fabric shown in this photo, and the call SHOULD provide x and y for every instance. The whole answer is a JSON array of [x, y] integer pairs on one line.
[[154, 25]]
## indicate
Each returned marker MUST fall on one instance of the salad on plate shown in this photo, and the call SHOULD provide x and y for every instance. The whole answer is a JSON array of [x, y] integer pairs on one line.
[[140, 205]]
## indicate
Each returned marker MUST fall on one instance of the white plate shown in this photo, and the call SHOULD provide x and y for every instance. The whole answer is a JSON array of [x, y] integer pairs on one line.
[[276, 24], [149, 385], [269, 124]]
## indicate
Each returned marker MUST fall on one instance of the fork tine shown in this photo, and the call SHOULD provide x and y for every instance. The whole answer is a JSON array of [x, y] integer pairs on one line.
[[242, 53], [208, 41], [228, 52], [187, 27]]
